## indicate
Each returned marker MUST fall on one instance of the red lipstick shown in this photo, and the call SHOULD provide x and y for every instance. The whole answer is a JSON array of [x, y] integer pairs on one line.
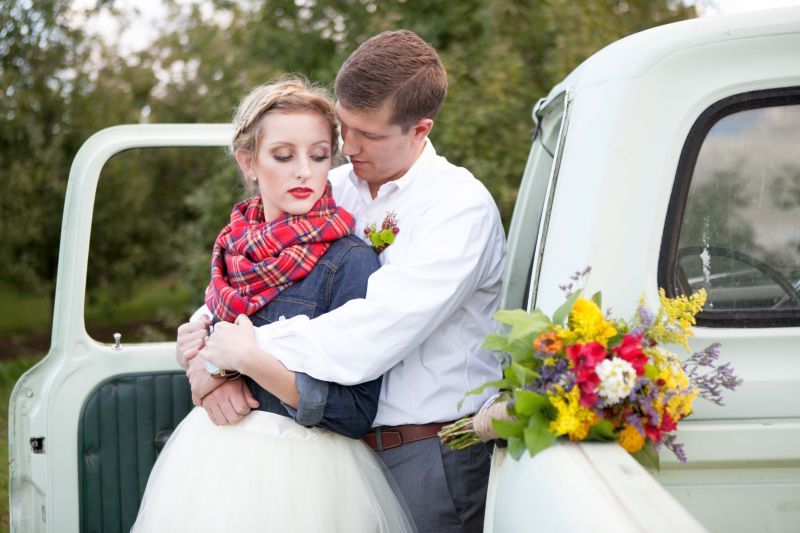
[[301, 192]]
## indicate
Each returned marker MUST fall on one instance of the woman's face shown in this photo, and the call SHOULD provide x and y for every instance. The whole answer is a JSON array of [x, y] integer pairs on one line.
[[291, 162]]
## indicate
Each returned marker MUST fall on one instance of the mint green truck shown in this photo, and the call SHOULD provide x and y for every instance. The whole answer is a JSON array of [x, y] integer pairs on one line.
[[669, 159]]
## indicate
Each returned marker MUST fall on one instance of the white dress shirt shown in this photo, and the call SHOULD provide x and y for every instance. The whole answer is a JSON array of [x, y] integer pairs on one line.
[[427, 309]]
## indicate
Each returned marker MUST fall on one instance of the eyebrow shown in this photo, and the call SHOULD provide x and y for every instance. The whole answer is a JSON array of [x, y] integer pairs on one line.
[[287, 143]]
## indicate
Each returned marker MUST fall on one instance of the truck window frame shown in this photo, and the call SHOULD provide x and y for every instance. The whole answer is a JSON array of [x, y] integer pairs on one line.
[[668, 258], [535, 201]]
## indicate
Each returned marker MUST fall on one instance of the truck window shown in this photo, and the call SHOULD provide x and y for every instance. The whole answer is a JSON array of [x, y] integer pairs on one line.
[[156, 214], [532, 205], [739, 237]]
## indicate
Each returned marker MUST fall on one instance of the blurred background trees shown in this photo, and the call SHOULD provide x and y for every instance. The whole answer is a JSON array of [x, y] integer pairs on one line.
[[158, 211]]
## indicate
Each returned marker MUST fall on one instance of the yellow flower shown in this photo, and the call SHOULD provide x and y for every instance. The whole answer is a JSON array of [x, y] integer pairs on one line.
[[674, 320], [586, 324], [631, 439], [672, 378], [572, 419], [680, 406]]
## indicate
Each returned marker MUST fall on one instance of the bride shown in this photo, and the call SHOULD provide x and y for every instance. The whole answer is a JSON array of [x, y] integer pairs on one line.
[[288, 250]]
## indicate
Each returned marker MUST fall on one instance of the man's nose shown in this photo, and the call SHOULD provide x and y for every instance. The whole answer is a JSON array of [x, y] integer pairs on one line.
[[349, 145]]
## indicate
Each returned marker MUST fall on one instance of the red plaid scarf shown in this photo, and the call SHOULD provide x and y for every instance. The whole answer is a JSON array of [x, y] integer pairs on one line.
[[254, 260]]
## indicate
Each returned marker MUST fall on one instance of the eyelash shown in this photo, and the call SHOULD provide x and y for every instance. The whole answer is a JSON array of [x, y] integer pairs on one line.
[[317, 158]]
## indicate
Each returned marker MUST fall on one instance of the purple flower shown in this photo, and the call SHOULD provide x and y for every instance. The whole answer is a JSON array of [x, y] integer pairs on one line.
[[676, 448], [646, 317], [553, 375], [710, 379]]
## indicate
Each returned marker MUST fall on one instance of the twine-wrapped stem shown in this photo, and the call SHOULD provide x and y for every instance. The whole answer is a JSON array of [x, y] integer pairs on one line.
[[475, 429]]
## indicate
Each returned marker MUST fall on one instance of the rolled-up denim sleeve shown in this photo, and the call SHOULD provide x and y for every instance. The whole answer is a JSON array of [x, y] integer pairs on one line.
[[347, 410], [313, 397]]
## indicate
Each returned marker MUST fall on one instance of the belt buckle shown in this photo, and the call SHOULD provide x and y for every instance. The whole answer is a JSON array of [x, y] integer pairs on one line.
[[386, 439]]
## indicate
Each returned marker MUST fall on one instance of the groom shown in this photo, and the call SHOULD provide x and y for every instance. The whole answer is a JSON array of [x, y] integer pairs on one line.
[[427, 309]]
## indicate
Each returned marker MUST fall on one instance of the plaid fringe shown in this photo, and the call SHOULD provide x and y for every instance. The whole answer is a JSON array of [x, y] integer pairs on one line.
[[253, 260]]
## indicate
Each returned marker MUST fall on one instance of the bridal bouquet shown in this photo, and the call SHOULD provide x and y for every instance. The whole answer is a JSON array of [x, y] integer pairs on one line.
[[586, 375]]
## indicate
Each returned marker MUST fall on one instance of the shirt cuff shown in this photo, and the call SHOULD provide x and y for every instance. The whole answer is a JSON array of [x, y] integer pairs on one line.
[[313, 397], [284, 339], [200, 313]]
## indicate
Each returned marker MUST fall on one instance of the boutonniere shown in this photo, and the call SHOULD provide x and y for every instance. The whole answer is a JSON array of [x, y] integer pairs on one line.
[[383, 237]]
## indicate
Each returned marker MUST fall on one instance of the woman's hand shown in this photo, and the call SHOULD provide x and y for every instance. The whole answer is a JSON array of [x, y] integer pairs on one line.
[[232, 346], [190, 340]]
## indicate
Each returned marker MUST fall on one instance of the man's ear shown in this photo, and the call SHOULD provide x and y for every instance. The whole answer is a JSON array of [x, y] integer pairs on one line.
[[422, 128], [245, 161]]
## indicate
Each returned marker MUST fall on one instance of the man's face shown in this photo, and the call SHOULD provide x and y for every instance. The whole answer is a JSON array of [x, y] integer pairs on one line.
[[379, 151]]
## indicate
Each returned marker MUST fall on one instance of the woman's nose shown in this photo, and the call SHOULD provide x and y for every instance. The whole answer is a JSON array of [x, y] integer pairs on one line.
[[303, 168]]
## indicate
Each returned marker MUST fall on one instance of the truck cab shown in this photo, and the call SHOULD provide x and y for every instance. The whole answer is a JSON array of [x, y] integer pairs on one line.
[[668, 160]]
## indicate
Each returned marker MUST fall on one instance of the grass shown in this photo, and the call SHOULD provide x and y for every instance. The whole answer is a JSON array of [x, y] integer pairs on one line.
[[151, 313], [10, 371], [23, 313], [151, 301]]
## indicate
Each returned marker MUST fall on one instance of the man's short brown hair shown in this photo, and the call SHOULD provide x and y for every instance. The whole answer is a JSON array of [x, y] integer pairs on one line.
[[397, 67]]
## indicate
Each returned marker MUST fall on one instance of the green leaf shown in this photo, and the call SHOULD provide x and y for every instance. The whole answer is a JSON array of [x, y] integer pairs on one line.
[[499, 384], [516, 447], [650, 371], [537, 437], [519, 350], [598, 299], [387, 236], [523, 323], [506, 429], [497, 342], [648, 457], [528, 402], [603, 431], [522, 374], [511, 377], [561, 314]]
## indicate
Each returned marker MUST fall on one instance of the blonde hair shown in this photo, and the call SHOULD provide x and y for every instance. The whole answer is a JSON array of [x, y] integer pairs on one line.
[[290, 94]]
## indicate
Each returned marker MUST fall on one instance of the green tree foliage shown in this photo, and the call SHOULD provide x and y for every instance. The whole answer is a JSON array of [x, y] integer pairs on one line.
[[159, 213]]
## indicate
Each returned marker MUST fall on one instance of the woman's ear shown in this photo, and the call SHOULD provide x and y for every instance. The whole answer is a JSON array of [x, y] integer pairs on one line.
[[245, 161]]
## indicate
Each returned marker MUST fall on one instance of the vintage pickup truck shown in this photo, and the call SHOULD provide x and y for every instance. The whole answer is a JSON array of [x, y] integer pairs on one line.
[[669, 159]]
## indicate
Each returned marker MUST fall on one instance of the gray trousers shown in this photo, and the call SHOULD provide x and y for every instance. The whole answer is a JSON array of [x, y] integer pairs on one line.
[[445, 490]]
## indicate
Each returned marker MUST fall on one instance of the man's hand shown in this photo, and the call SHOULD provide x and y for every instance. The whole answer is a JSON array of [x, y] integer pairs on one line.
[[201, 381], [190, 340], [228, 403], [232, 346]]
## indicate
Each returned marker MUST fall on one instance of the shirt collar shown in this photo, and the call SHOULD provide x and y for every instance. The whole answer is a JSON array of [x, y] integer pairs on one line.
[[425, 158]]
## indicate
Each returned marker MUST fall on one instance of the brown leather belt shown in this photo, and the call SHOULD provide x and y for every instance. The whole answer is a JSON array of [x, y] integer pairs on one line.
[[387, 437]]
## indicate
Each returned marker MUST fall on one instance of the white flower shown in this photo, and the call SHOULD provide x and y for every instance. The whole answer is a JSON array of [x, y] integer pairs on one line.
[[617, 377]]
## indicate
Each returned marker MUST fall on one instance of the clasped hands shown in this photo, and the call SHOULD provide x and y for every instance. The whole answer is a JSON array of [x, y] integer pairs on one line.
[[225, 401]]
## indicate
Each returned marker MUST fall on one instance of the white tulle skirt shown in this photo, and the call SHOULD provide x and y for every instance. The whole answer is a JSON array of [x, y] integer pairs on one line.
[[267, 473]]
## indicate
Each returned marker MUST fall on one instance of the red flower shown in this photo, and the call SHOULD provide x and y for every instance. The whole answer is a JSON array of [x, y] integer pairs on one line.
[[589, 392], [586, 355], [585, 358], [630, 349], [667, 423], [655, 434]]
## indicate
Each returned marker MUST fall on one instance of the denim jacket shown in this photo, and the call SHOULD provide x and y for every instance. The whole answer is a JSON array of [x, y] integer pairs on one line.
[[340, 275]]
